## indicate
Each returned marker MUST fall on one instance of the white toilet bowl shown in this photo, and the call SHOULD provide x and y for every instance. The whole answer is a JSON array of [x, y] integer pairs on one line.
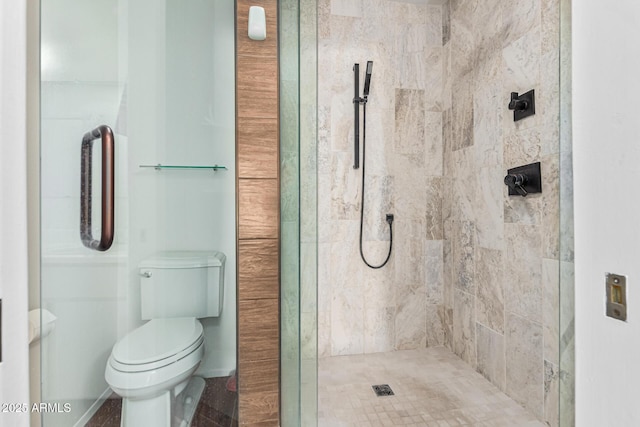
[[151, 365]]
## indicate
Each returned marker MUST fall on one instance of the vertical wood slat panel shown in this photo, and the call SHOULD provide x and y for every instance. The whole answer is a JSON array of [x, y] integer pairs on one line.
[[257, 128]]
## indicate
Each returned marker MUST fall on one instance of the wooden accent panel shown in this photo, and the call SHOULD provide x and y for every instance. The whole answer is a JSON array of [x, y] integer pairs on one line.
[[258, 85], [258, 330], [257, 154], [258, 269], [257, 116], [258, 375], [258, 209], [259, 409]]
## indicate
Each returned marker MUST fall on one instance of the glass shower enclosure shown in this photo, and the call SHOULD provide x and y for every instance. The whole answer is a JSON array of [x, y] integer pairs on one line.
[[143, 93]]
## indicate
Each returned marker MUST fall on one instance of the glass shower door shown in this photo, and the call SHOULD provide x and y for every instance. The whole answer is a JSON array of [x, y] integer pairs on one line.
[[137, 157], [84, 202]]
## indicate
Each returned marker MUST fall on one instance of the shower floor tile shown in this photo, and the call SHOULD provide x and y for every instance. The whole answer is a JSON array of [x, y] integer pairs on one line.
[[432, 387]]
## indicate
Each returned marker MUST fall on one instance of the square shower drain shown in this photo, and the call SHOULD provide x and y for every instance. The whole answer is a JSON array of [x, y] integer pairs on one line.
[[382, 390]]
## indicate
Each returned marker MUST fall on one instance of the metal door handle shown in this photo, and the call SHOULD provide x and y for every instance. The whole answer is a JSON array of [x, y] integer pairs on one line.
[[108, 189]]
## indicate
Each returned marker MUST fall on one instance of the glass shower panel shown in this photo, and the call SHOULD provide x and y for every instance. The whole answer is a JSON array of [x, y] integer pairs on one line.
[[161, 76], [298, 152]]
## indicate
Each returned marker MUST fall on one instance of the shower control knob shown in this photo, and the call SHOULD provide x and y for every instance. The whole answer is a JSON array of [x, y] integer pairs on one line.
[[516, 103], [145, 274], [516, 182]]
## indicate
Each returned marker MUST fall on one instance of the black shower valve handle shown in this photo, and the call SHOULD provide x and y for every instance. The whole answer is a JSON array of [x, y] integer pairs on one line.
[[516, 182], [517, 104]]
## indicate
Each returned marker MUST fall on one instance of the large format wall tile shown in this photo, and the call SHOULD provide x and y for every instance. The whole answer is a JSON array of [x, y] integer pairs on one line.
[[490, 350], [500, 252], [490, 289], [523, 271], [464, 327], [524, 363]]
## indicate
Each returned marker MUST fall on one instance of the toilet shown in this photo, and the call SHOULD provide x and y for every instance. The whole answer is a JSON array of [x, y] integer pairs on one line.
[[153, 364]]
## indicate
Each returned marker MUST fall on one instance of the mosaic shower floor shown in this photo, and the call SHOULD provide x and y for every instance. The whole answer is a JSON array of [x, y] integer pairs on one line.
[[432, 387]]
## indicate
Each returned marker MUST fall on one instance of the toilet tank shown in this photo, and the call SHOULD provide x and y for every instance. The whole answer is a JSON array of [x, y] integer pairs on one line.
[[182, 284]]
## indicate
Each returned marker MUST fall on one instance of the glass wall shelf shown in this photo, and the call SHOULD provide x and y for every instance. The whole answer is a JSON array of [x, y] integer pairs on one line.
[[159, 167]]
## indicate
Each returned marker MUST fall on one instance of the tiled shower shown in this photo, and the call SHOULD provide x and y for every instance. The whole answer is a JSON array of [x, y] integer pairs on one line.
[[473, 269]]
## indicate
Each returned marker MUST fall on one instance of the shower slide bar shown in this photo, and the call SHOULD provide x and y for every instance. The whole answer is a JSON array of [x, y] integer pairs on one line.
[[160, 167], [107, 185]]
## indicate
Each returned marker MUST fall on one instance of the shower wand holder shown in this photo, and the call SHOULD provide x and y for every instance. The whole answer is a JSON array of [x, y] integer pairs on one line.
[[523, 105]]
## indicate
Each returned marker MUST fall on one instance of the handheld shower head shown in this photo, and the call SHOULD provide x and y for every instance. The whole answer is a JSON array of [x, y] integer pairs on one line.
[[367, 78]]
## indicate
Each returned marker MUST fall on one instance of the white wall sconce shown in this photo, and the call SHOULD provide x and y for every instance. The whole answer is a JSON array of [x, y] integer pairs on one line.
[[257, 23]]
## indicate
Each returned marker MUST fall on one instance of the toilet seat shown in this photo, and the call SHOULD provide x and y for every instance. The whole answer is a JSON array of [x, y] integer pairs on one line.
[[157, 343]]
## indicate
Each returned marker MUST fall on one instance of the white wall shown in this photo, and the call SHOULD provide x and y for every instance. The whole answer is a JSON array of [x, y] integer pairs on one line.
[[14, 375], [606, 144]]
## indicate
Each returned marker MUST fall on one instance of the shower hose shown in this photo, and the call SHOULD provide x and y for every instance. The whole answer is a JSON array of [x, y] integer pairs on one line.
[[389, 217]]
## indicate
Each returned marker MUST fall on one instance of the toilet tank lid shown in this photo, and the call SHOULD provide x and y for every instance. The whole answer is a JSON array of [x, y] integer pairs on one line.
[[184, 259]]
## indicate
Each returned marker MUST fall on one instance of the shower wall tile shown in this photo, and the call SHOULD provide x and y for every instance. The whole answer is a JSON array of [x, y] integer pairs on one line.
[[434, 271], [345, 187], [435, 325], [324, 21], [522, 147], [433, 79], [463, 40], [523, 271], [347, 321], [409, 38], [324, 276], [409, 256], [434, 225], [522, 71], [447, 76], [462, 112], [488, 27], [489, 201], [464, 327], [347, 8], [410, 180], [410, 123], [410, 70], [434, 26], [465, 184], [464, 256], [324, 333], [379, 284], [446, 22], [519, 17], [379, 201], [524, 366], [433, 162], [308, 334], [379, 138], [411, 316], [550, 206], [551, 309], [488, 112], [379, 330], [500, 253], [551, 394], [490, 289], [549, 27], [490, 350]]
